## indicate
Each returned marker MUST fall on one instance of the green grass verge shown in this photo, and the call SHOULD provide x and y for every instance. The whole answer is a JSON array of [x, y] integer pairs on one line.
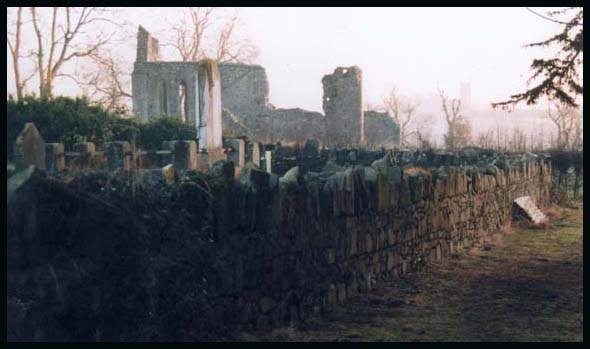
[[525, 285]]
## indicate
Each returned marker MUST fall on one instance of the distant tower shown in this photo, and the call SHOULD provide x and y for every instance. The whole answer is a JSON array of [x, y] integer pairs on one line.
[[343, 107], [466, 95]]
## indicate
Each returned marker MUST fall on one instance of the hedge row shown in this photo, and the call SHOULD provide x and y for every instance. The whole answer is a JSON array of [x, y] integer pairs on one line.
[[71, 120]]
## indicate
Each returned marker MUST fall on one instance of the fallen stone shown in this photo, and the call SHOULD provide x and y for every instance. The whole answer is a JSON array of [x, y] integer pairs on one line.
[[529, 207]]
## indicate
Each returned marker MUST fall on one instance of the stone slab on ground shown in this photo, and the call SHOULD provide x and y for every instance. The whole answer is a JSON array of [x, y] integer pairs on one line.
[[531, 209]]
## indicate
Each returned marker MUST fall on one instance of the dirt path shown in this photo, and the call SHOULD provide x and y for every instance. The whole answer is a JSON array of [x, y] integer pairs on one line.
[[522, 286]]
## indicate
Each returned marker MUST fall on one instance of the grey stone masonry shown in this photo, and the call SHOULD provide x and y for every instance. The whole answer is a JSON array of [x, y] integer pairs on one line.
[[29, 148], [190, 91], [343, 107]]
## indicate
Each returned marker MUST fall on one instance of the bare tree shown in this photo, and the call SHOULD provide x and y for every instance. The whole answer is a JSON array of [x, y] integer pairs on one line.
[[578, 134], [231, 50], [459, 130], [107, 80], [190, 39], [486, 140], [518, 141], [567, 119], [189, 36], [13, 40], [403, 111], [65, 40]]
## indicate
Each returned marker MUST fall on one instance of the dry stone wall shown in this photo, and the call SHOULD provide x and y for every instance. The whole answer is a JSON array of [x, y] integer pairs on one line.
[[136, 257]]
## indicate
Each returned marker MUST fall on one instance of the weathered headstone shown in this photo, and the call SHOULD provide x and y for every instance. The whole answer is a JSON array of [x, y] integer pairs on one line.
[[268, 161], [119, 155], [312, 148], [237, 151], [202, 162], [253, 153], [55, 158], [85, 152], [29, 148], [185, 155]]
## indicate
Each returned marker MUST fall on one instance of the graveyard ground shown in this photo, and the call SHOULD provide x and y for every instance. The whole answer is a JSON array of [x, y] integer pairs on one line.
[[525, 285]]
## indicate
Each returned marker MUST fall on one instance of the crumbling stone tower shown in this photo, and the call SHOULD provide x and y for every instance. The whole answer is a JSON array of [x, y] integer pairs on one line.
[[343, 107], [188, 90]]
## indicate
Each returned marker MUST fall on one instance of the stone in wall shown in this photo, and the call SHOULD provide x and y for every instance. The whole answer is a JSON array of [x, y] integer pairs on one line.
[[343, 107]]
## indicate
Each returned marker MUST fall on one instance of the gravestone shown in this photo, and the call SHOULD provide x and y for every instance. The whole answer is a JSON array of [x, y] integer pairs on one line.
[[119, 155], [29, 148], [253, 152], [312, 148], [85, 152], [55, 157], [202, 162], [268, 161], [185, 155], [237, 151]]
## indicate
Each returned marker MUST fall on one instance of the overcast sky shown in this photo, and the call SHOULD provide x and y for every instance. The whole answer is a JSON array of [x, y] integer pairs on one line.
[[416, 49]]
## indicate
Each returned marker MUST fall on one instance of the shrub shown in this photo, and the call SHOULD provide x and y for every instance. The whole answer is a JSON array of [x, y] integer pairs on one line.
[[67, 120], [157, 130], [71, 120]]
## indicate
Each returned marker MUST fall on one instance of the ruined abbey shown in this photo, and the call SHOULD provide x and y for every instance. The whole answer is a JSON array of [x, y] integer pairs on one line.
[[231, 100]]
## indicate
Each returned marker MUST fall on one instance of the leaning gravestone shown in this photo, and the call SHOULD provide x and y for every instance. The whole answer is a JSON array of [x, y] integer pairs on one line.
[[29, 148]]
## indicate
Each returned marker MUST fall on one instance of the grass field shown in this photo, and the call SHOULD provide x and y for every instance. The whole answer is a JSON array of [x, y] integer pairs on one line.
[[523, 285]]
